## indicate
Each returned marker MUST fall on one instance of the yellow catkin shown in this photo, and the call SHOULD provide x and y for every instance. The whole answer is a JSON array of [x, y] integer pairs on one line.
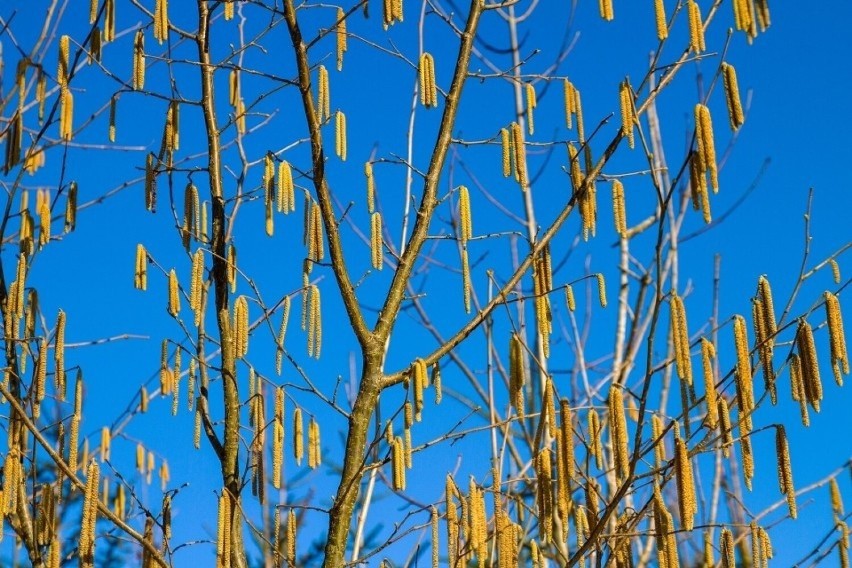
[[421, 381], [748, 458], [323, 95], [139, 60], [161, 20], [174, 294], [743, 372], [809, 364], [376, 248], [770, 329], [59, 358], [398, 464], [627, 114], [706, 146], [436, 382], [231, 270], [106, 439], [406, 445], [290, 540], [314, 447], [835, 270], [708, 353], [516, 374], [371, 187], [567, 441], [66, 121], [465, 223], [286, 190], [544, 498], [519, 154], [685, 485], [428, 88], [606, 10], [732, 96], [660, 17], [725, 426], [680, 338], [40, 376], [568, 102], [89, 517], [240, 116], [657, 428], [726, 545], [191, 215], [340, 32], [696, 28], [601, 289], [196, 287], [314, 322], [618, 431], [229, 10], [595, 444], [298, 437], [278, 438], [837, 338], [836, 500], [762, 11], [785, 473], [618, 208], [241, 326], [223, 537], [340, 135], [506, 152], [282, 333], [433, 521], [465, 280], [797, 388], [569, 298], [531, 104]]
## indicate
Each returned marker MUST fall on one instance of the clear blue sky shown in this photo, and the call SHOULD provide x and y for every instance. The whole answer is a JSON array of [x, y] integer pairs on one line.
[[797, 77]]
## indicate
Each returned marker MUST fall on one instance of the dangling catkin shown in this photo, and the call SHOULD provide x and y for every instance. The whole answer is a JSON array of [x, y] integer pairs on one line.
[[618, 431], [465, 280], [725, 426], [601, 289], [566, 441], [618, 209], [797, 388], [340, 31], [708, 353], [286, 191], [196, 287], [59, 358], [732, 96], [174, 294], [627, 114], [743, 373], [748, 457], [785, 473], [531, 104], [340, 135], [836, 500], [428, 88], [726, 545], [568, 101], [314, 451], [433, 520], [223, 540], [680, 338], [569, 298], [241, 326], [298, 437], [86, 546], [704, 137], [398, 464], [595, 445], [837, 338], [376, 248], [436, 382], [229, 10], [420, 379], [809, 364], [150, 183], [278, 438], [544, 498], [465, 223], [660, 16], [516, 374], [371, 187], [835, 270], [314, 322], [696, 28], [282, 333], [161, 20], [139, 60], [323, 96], [66, 121], [506, 152], [685, 485], [606, 10], [519, 154]]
